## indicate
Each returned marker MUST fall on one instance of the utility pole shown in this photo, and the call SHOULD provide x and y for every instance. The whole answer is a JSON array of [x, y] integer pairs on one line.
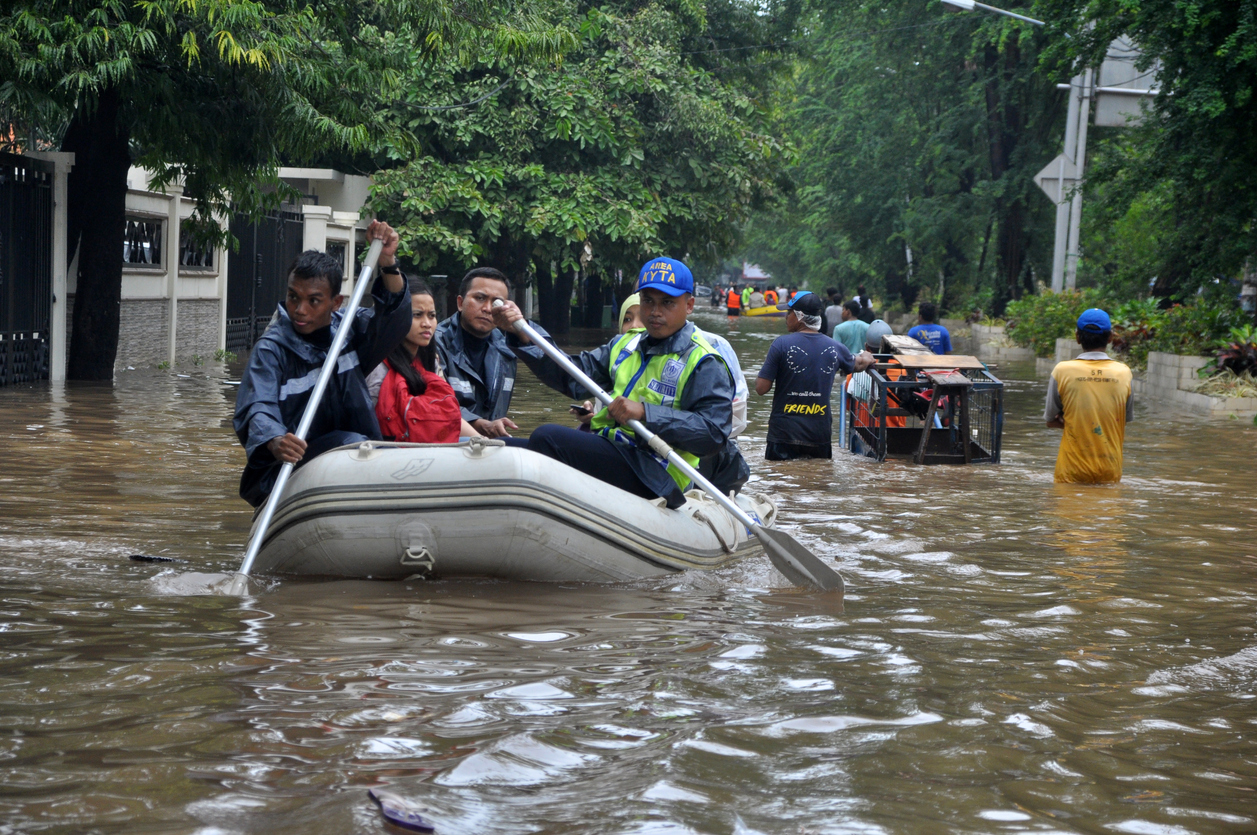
[[1064, 170], [1080, 160], [1065, 173]]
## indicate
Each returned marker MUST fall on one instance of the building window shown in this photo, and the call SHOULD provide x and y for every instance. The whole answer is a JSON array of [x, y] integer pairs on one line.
[[194, 254], [141, 242], [338, 249]]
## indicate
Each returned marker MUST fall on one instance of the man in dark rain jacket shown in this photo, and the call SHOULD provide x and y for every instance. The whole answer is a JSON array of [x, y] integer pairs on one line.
[[666, 375], [286, 361], [479, 359]]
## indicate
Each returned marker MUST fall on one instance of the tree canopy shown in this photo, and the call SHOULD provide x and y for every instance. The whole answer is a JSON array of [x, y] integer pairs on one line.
[[919, 133], [651, 137], [216, 93], [1184, 184]]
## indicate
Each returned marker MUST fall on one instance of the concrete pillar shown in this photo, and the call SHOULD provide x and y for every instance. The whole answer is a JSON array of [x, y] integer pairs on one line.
[[314, 229], [351, 255], [57, 348], [1063, 207], [314, 234], [172, 270], [1080, 162]]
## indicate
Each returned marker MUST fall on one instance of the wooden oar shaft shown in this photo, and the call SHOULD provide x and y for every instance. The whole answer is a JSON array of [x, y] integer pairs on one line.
[[239, 584]]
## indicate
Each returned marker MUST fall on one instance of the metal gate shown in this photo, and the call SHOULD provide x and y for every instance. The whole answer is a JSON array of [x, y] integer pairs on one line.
[[256, 274], [25, 268]]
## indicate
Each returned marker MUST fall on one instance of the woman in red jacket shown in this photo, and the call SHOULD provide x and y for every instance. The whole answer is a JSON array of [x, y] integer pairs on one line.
[[416, 404]]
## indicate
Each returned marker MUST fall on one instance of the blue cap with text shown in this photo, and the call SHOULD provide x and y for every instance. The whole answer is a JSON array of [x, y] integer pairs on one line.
[[667, 275], [1094, 320]]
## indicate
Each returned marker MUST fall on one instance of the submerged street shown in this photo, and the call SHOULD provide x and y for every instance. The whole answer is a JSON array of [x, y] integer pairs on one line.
[[1013, 656]]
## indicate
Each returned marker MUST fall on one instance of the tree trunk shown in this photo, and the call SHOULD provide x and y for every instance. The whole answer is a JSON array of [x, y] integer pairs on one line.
[[1004, 124], [545, 294], [554, 293], [564, 282], [1010, 253], [96, 215]]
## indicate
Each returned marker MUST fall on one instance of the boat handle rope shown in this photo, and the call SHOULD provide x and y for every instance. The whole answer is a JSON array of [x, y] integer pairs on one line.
[[698, 514]]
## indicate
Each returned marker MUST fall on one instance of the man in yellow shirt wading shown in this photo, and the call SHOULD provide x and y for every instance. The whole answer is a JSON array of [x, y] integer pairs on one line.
[[1090, 398]]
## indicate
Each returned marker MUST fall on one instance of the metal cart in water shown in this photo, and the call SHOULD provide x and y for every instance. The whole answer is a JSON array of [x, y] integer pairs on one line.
[[926, 408]]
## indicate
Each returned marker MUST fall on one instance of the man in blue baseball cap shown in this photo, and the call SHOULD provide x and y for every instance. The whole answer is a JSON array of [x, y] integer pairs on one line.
[[665, 374], [1090, 399]]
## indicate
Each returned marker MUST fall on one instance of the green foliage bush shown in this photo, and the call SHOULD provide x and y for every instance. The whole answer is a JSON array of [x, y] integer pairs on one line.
[[1192, 328], [1139, 325], [1036, 322]]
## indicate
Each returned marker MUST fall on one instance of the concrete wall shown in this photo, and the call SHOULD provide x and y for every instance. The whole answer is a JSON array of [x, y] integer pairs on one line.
[[1067, 348], [993, 345], [142, 331], [1170, 380], [198, 329], [986, 342], [142, 325]]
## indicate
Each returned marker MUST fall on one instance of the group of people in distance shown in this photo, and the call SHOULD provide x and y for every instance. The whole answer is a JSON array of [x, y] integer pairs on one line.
[[749, 297], [1088, 397], [403, 376]]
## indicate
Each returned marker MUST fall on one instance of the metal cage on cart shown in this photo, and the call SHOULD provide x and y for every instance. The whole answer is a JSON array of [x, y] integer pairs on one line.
[[928, 409]]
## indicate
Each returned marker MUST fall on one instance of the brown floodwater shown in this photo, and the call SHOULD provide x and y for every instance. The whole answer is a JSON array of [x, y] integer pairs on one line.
[[1013, 656]]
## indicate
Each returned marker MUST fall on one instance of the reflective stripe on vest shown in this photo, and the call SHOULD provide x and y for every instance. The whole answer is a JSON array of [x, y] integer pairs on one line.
[[659, 380]]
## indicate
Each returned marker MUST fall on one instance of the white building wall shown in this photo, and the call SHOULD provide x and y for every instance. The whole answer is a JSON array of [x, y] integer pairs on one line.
[[170, 313], [179, 316]]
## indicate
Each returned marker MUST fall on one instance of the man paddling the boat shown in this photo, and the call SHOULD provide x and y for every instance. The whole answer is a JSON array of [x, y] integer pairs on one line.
[[286, 361], [665, 375], [726, 469]]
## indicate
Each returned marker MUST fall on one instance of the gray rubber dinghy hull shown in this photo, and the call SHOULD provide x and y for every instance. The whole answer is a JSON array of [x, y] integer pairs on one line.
[[480, 509]]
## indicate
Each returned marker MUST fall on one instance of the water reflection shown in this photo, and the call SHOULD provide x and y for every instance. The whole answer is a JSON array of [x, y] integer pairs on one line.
[[1013, 656]]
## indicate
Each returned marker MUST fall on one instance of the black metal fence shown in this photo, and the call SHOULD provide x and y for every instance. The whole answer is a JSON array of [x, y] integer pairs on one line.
[[256, 277], [25, 268], [885, 411]]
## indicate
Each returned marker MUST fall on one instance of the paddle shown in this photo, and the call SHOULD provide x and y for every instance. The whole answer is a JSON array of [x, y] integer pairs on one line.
[[240, 583], [799, 565]]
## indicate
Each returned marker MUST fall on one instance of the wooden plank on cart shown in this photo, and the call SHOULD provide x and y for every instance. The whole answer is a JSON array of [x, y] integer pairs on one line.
[[947, 361], [900, 344], [949, 378]]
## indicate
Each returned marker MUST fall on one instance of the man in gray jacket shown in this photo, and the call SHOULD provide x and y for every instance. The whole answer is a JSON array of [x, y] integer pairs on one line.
[[479, 359]]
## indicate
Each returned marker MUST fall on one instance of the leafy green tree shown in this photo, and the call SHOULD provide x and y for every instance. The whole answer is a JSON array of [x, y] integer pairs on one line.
[[919, 132], [216, 93], [1191, 169], [650, 138]]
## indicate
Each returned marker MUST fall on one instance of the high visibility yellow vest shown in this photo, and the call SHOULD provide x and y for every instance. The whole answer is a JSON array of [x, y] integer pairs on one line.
[[660, 381]]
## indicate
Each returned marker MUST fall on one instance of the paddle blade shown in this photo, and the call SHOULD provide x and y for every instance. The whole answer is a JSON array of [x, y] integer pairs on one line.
[[402, 812], [799, 565]]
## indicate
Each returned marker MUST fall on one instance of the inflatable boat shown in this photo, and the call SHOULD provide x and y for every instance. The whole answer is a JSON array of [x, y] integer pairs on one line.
[[768, 310], [479, 508]]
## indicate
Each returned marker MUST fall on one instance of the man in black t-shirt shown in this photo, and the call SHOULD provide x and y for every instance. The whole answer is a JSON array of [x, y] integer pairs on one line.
[[802, 364]]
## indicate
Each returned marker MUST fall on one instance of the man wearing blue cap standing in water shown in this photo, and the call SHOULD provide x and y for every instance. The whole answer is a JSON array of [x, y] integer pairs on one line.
[[1090, 398], [665, 374]]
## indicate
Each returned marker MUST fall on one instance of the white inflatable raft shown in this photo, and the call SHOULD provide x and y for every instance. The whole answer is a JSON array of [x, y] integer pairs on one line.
[[482, 509]]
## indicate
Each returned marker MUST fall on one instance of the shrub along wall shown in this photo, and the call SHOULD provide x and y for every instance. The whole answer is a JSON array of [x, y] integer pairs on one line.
[[1139, 326]]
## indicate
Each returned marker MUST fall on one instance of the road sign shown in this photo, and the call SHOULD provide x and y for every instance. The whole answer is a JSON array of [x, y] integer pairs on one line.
[[1057, 178]]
